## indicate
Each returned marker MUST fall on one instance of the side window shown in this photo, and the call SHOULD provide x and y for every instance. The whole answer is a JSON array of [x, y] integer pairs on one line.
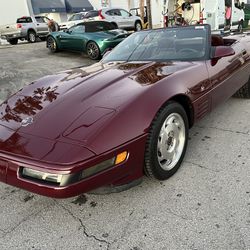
[[40, 19], [46, 19], [78, 29], [113, 12], [124, 13]]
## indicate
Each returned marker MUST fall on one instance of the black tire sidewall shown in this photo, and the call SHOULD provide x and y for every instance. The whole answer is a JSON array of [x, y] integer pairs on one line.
[[99, 54], [151, 149], [53, 39], [13, 41], [29, 33], [138, 22]]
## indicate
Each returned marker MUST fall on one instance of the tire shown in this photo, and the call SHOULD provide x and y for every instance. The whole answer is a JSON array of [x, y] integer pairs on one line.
[[169, 126], [115, 25], [93, 51], [31, 37], [138, 26], [51, 44], [244, 91], [240, 27], [13, 41]]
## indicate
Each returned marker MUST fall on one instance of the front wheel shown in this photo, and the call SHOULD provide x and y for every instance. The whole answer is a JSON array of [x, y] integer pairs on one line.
[[244, 91], [51, 44], [167, 142], [93, 51]]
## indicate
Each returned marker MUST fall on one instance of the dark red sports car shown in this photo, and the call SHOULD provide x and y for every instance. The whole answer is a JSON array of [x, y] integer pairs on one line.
[[129, 115]]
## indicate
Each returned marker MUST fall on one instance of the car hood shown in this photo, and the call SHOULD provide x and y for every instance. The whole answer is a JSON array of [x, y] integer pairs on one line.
[[75, 105]]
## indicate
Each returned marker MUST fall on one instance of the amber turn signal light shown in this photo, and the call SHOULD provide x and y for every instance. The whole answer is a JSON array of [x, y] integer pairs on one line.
[[121, 157]]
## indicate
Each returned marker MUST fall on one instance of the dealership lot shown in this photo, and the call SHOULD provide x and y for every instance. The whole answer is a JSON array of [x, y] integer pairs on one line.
[[206, 205]]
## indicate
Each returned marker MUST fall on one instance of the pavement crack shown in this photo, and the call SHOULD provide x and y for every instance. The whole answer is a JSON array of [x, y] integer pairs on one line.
[[223, 129], [84, 227], [201, 166], [93, 236], [177, 215]]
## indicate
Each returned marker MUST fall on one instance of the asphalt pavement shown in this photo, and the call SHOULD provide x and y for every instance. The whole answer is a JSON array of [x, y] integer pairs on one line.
[[205, 205]]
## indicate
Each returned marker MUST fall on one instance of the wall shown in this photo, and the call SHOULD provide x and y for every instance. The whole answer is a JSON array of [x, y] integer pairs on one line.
[[10, 10]]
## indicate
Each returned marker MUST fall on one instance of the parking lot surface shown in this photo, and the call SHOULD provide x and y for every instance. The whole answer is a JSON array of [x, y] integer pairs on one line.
[[205, 205]]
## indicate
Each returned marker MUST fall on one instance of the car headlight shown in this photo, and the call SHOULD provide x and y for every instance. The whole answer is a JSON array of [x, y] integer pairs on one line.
[[66, 179]]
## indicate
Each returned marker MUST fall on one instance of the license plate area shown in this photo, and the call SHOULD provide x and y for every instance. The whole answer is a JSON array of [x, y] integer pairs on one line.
[[3, 170]]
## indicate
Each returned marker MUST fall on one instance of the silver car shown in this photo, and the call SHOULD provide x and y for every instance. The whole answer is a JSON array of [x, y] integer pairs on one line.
[[121, 18]]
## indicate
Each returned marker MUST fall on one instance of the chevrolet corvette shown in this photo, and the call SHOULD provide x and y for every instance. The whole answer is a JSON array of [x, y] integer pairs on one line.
[[128, 115]]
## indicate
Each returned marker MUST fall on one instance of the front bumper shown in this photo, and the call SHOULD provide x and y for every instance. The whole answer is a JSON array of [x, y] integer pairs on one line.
[[121, 174]]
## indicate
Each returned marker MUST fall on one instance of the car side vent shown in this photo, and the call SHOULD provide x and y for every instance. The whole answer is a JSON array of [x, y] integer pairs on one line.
[[202, 108]]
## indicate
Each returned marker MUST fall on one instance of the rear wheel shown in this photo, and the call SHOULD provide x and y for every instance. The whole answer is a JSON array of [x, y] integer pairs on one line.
[[51, 44], [13, 41], [31, 36], [244, 91], [93, 51], [240, 27], [138, 26], [167, 142]]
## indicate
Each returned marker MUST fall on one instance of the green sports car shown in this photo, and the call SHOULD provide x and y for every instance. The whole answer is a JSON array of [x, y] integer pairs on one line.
[[94, 38]]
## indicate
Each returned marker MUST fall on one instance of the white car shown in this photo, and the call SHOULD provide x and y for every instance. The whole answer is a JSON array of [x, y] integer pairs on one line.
[[121, 18], [78, 18]]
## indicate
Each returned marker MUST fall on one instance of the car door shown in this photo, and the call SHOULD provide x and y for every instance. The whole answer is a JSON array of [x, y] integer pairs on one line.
[[41, 26], [228, 74], [127, 19], [72, 39]]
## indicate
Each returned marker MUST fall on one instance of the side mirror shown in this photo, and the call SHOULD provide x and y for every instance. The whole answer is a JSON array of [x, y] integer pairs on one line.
[[130, 14], [242, 5], [223, 51]]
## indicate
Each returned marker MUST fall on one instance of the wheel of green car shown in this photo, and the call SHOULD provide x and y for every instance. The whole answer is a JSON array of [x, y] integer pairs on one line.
[[13, 41], [51, 44], [138, 26], [31, 36], [93, 51], [166, 142]]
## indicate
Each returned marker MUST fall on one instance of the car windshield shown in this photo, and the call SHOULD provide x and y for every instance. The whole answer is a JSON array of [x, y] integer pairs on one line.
[[182, 43], [75, 17]]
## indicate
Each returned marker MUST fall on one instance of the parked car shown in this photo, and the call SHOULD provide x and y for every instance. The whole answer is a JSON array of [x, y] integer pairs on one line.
[[121, 18], [213, 13], [26, 28], [78, 18], [111, 122], [94, 38]]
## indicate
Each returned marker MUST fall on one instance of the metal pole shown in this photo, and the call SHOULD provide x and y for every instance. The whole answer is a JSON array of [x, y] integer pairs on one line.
[[149, 14]]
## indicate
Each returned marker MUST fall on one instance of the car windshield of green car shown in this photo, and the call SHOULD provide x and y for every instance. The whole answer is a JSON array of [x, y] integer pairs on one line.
[[183, 43]]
